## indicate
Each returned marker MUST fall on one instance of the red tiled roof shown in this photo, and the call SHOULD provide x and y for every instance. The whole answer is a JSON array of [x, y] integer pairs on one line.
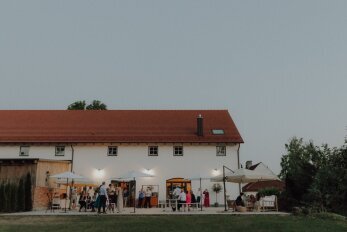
[[256, 186], [115, 126]]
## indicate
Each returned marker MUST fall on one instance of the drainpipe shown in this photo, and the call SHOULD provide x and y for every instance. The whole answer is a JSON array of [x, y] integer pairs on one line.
[[238, 163], [72, 156]]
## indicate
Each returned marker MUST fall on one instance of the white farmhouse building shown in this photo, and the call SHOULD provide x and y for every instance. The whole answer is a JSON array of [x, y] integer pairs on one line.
[[172, 145]]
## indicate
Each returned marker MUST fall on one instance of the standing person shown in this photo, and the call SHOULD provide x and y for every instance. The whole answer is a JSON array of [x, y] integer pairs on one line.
[[182, 198], [91, 191], [199, 197], [188, 199], [206, 198], [148, 196], [175, 195], [83, 201], [111, 192], [176, 192], [141, 197], [103, 197], [193, 201], [74, 197], [119, 199], [125, 197]]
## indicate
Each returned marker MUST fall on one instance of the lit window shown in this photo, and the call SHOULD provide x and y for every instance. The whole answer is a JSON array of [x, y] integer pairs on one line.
[[221, 151], [218, 132], [112, 151], [153, 150], [178, 151], [59, 150], [24, 151]]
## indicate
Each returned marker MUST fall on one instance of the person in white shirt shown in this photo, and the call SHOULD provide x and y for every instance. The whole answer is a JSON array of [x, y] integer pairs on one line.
[[91, 191], [103, 197], [176, 192], [182, 198], [148, 195]]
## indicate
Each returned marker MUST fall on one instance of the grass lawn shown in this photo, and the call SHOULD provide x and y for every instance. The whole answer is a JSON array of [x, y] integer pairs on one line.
[[198, 223]]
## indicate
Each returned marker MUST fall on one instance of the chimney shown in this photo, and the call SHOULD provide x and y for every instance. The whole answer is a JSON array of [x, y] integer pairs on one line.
[[248, 164], [200, 125]]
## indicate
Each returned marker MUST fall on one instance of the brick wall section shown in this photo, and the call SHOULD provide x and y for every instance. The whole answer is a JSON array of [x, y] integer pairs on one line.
[[40, 198], [40, 201]]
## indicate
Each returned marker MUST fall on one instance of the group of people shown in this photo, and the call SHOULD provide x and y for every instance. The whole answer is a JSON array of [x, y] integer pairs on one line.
[[145, 198], [114, 198], [252, 202], [188, 199]]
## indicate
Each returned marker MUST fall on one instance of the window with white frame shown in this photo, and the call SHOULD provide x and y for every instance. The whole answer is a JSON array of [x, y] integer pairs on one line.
[[221, 151], [24, 151], [112, 151], [178, 151], [59, 150], [153, 151]]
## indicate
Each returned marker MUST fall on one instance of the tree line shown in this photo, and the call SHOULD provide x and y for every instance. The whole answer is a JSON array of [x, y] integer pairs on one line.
[[315, 176], [82, 105]]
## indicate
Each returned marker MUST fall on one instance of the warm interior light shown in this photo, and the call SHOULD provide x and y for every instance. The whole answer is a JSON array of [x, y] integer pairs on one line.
[[215, 172], [99, 173], [149, 171]]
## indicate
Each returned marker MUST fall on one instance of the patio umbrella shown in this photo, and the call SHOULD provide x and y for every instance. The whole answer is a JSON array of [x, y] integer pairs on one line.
[[132, 175], [67, 176], [81, 182], [244, 176], [200, 178]]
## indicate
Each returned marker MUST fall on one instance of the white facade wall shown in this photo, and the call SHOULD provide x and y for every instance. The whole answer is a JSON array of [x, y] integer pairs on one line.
[[93, 162]]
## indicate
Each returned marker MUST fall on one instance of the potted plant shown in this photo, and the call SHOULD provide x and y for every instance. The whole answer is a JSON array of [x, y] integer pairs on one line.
[[216, 188]]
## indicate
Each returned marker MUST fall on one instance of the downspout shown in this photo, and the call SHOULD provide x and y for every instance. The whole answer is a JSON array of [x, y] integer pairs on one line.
[[72, 156], [238, 163]]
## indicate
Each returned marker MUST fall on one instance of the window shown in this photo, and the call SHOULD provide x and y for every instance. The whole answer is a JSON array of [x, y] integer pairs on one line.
[[59, 150], [218, 132], [112, 151], [178, 151], [24, 151], [153, 151], [221, 151]]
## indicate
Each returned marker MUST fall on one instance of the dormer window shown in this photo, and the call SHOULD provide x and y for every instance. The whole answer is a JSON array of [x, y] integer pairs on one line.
[[218, 131]]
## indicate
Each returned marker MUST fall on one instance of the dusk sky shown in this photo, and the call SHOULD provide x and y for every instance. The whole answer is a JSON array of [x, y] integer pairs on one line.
[[279, 67]]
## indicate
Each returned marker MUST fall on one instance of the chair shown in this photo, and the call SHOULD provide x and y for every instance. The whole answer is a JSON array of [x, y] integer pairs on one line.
[[231, 205], [55, 203], [269, 203]]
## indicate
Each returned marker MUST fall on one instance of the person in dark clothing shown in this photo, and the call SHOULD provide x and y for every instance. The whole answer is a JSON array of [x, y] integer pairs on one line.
[[83, 202], [193, 201], [239, 201], [103, 198]]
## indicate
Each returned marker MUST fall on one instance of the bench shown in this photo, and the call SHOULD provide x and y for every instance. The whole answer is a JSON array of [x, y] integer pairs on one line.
[[269, 203]]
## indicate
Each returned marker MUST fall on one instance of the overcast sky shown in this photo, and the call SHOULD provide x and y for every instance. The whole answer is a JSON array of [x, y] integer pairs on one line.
[[279, 67]]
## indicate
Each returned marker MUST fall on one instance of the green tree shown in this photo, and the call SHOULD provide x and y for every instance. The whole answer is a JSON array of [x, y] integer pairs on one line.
[[96, 105], [77, 105], [298, 170], [81, 105]]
